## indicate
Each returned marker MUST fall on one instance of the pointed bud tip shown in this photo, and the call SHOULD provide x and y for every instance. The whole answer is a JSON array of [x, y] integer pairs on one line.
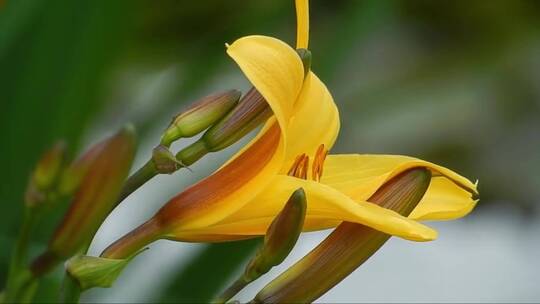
[[281, 236], [46, 175], [305, 56], [129, 130], [251, 111], [200, 115], [299, 196]]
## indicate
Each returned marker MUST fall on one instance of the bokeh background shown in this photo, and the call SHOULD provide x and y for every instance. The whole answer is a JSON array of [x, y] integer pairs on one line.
[[455, 82]]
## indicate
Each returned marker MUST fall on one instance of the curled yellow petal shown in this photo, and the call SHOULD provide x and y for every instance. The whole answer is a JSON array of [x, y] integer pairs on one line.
[[315, 121], [273, 68], [449, 196], [302, 24], [443, 201]]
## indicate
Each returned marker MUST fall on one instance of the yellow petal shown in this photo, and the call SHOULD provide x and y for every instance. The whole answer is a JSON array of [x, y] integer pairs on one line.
[[326, 207], [315, 121], [276, 71], [302, 26], [443, 201], [359, 176]]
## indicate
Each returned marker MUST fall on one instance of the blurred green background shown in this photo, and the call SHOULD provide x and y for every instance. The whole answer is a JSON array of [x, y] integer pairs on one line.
[[453, 82]]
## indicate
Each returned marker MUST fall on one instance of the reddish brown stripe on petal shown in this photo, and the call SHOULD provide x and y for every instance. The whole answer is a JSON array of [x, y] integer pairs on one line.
[[201, 197]]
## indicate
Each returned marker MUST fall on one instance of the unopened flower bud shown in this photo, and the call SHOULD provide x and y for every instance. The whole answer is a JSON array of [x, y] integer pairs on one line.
[[347, 247], [200, 116], [280, 237], [45, 177], [164, 160], [251, 111], [107, 165], [279, 240]]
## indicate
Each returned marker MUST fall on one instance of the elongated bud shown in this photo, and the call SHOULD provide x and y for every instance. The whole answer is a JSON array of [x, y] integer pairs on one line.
[[280, 237], [246, 116], [90, 271], [305, 56], [347, 247], [46, 175], [200, 116], [72, 176], [107, 165], [164, 161], [279, 240]]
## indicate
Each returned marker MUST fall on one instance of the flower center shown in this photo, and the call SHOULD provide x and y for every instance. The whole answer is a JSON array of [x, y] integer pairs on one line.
[[300, 166]]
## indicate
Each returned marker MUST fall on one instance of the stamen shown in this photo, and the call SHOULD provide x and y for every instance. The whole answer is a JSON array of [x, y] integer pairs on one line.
[[300, 166], [318, 163], [304, 166]]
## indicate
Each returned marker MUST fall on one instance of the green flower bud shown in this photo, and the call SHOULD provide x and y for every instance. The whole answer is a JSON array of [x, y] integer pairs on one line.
[[44, 179], [73, 174], [90, 271], [246, 116], [200, 115], [49, 166], [105, 166], [347, 247], [279, 240], [280, 237]]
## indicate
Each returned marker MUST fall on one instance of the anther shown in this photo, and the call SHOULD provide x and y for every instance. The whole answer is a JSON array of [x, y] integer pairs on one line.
[[318, 163], [300, 167]]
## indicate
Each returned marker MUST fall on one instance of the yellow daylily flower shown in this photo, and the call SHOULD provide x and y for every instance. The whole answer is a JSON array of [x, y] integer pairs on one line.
[[241, 199]]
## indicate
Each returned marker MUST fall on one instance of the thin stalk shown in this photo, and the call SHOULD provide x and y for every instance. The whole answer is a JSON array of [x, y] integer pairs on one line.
[[135, 181], [18, 283], [71, 291], [232, 290]]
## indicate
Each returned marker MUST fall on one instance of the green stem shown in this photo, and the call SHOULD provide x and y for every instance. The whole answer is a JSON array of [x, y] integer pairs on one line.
[[18, 283], [232, 290], [71, 291], [135, 181]]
